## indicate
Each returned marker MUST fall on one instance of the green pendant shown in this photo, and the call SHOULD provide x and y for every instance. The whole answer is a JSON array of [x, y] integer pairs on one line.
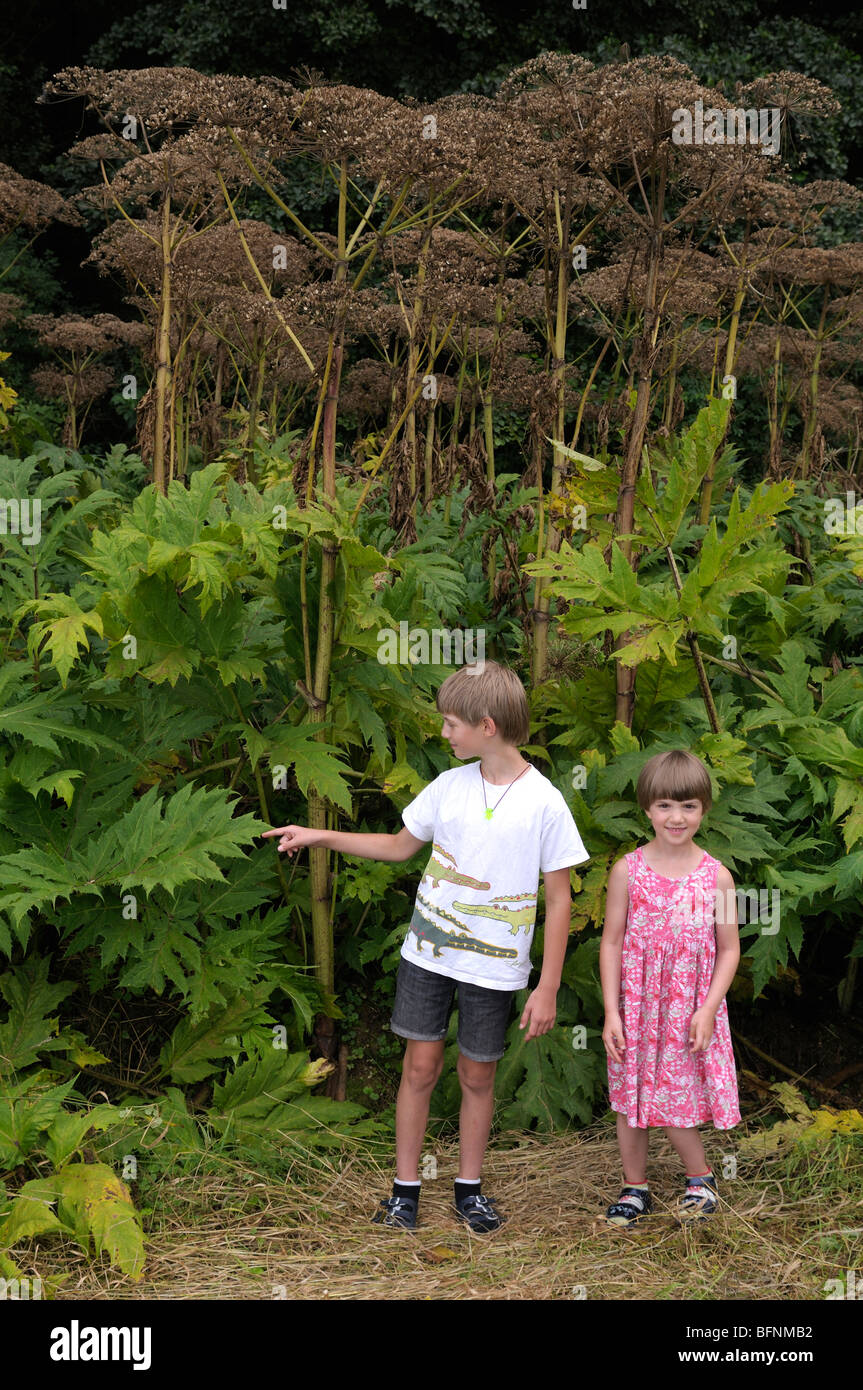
[[489, 812]]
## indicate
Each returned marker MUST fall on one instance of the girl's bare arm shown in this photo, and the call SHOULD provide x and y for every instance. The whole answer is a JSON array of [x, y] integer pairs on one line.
[[610, 955], [611, 946], [727, 942]]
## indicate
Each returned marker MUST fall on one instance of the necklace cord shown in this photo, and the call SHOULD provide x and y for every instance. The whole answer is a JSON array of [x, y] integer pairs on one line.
[[489, 811]]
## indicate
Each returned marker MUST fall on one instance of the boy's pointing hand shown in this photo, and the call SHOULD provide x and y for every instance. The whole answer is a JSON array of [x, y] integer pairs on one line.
[[293, 837]]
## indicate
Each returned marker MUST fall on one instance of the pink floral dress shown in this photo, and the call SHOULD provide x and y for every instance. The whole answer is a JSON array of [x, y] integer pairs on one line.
[[669, 951]]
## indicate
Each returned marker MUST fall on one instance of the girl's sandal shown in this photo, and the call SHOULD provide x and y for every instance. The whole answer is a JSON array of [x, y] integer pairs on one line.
[[632, 1204], [700, 1198]]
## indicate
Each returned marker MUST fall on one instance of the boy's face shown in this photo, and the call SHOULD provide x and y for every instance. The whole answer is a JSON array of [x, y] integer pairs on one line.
[[675, 822], [467, 740]]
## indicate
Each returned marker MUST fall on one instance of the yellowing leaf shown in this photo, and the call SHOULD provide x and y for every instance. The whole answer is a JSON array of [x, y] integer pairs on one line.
[[32, 1213], [93, 1200], [791, 1101], [316, 1072], [806, 1127], [829, 1122], [769, 1141]]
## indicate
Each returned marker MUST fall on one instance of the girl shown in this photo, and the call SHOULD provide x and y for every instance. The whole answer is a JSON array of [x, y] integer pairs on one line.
[[665, 971]]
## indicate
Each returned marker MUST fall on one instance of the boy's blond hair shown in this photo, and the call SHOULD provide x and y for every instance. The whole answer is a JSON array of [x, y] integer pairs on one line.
[[491, 690], [674, 776]]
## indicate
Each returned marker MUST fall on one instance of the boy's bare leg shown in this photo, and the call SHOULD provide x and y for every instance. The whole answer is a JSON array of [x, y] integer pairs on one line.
[[689, 1149], [633, 1151], [477, 1108], [421, 1068]]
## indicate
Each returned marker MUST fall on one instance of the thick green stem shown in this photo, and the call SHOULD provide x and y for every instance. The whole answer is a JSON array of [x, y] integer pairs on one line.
[[322, 921], [254, 411]]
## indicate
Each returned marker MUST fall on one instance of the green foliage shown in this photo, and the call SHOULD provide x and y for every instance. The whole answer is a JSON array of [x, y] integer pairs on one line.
[[787, 763], [262, 1102], [37, 1127], [266, 1097], [29, 1028], [547, 1083], [91, 1203], [744, 559]]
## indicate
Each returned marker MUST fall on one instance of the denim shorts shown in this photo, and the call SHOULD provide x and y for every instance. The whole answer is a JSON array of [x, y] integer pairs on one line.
[[424, 1002]]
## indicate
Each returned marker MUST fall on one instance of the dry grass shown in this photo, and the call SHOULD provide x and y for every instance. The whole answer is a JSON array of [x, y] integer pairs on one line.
[[785, 1228]]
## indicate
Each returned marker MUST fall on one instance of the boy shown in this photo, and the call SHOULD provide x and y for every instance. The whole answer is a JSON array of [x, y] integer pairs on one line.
[[494, 826]]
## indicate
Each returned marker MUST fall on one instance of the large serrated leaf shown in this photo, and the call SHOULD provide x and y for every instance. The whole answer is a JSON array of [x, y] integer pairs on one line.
[[68, 1131], [165, 842], [256, 1085], [316, 764], [94, 1202], [29, 1028], [545, 1083], [33, 1213], [25, 1117], [63, 630], [194, 1049]]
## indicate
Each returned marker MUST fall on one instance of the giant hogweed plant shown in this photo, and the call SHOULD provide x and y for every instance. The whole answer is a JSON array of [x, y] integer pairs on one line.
[[183, 623], [732, 662], [166, 670], [152, 716], [212, 671]]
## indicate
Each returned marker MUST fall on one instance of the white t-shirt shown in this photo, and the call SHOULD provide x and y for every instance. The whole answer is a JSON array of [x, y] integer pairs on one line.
[[476, 903]]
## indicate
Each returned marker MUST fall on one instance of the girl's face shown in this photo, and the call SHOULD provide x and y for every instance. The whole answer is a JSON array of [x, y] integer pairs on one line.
[[675, 822], [466, 740]]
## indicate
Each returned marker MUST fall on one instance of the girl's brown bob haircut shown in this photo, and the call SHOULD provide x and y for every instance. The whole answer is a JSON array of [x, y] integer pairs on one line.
[[487, 690], [674, 776]]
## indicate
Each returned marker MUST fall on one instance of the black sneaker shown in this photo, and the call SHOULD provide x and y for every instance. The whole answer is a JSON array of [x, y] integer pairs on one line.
[[398, 1211], [631, 1205], [479, 1213], [700, 1198]]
